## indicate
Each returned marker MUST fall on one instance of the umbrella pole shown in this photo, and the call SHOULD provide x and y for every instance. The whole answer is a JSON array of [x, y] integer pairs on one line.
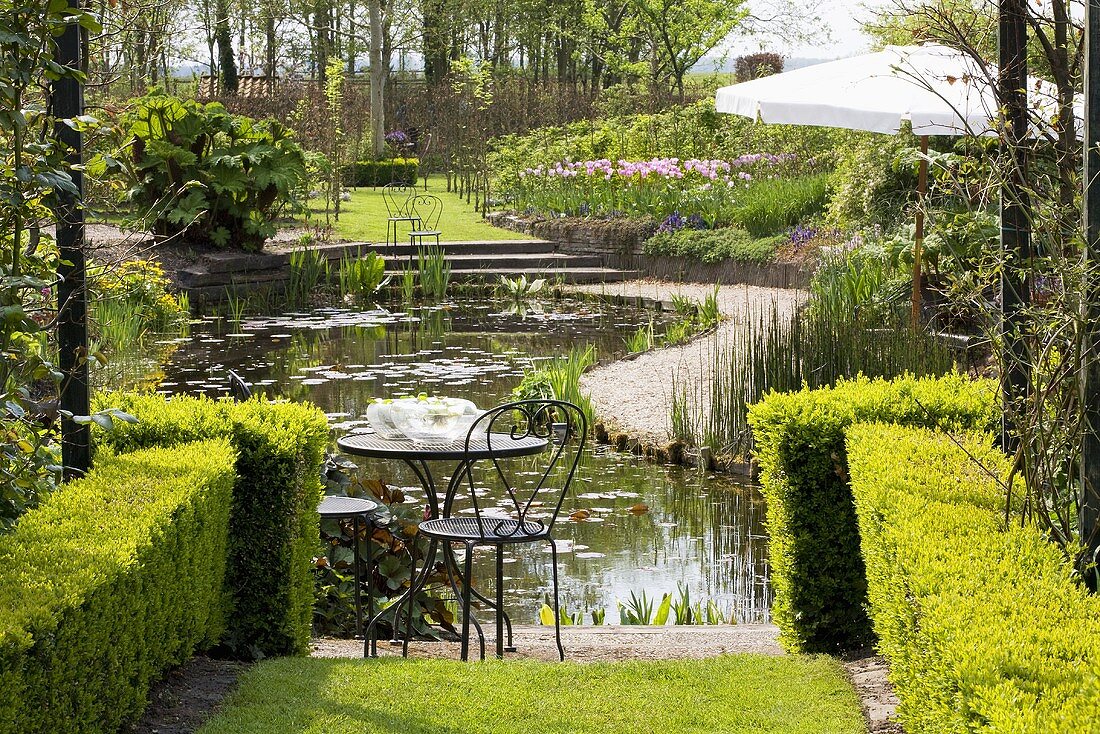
[[918, 238]]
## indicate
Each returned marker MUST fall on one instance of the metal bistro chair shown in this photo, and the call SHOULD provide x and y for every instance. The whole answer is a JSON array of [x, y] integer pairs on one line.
[[397, 196], [527, 502], [427, 209], [238, 388]]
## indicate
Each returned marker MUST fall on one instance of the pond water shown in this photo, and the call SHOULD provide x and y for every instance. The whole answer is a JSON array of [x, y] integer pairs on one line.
[[702, 532]]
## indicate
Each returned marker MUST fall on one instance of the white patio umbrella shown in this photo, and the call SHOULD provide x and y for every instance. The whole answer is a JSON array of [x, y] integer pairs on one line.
[[938, 90]]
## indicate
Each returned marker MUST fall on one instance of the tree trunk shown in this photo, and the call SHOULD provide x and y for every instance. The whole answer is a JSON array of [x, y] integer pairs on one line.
[[269, 50], [227, 63], [377, 80]]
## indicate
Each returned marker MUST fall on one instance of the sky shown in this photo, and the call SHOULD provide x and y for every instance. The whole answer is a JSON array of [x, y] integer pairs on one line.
[[843, 18]]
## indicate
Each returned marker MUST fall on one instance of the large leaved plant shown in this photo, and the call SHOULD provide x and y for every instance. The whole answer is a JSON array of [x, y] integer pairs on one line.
[[195, 170]]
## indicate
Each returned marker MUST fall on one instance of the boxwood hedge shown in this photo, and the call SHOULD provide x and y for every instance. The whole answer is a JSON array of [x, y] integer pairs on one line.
[[273, 528], [984, 626], [380, 173], [817, 572], [108, 583]]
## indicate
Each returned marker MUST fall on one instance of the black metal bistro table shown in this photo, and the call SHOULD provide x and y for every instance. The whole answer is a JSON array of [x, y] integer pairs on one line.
[[417, 457]]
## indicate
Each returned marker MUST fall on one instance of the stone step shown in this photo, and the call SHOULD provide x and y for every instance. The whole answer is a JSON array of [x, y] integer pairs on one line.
[[521, 261], [569, 275], [486, 247]]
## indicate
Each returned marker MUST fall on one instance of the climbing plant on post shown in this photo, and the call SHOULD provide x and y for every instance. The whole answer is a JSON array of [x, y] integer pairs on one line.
[[34, 181]]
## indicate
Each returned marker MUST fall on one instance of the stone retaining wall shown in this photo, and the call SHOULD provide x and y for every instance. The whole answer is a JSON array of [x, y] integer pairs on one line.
[[617, 242], [219, 274], [620, 244]]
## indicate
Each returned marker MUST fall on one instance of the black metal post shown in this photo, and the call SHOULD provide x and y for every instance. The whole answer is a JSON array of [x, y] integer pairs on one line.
[[1089, 518], [72, 324], [1015, 211]]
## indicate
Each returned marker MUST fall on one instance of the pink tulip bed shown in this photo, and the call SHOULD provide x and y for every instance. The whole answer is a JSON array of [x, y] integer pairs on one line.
[[701, 193]]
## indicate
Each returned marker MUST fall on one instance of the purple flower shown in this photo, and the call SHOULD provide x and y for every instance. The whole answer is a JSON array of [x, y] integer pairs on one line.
[[695, 221], [673, 223], [397, 138], [801, 236]]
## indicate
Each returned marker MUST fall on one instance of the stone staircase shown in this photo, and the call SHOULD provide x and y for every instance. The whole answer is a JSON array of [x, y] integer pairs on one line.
[[216, 274], [488, 260]]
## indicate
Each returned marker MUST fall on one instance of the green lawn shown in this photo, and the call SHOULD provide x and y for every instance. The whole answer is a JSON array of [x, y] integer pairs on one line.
[[364, 217], [734, 694]]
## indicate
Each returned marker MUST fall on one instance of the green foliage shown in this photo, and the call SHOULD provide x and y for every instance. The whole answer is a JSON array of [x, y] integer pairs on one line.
[[817, 570], [690, 131], [109, 583], [408, 284], [308, 269], [381, 172], [714, 245], [273, 528], [985, 626], [860, 285], [762, 694], [33, 173], [872, 184], [29, 457], [770, 207], [196, 168], [361, 277], [559, 378], [638, 611], [392, 542], [434, 272], [641, 340], [814, 347], [133, 297], [956, 241]]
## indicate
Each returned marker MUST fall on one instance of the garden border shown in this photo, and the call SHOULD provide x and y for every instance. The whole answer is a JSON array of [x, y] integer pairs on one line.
[[620, 244]]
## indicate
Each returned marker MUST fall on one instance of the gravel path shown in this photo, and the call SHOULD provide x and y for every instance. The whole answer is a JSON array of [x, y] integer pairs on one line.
[[635, 396], [591, 643]]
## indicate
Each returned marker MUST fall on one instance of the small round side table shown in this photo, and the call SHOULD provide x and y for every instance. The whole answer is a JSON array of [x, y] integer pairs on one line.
[[357, 511]]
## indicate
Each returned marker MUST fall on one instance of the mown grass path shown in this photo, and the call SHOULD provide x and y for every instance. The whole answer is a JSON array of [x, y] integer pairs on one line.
[[743, 693]]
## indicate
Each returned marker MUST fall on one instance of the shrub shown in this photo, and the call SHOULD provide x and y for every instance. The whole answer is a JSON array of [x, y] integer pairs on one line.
[[716, 245], [756, 65], [817, 571], [141, 287], [196, 168], [108, 583], [274, 525], [772, 206], [871, 185], [984, 626], [380, 173]]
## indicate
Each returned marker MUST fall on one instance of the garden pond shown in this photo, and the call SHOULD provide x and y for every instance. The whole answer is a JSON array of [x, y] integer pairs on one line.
[[645, 526]]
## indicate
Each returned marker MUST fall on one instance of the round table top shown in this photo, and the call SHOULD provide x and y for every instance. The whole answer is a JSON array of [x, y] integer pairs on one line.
[[332, 506], [502, 446]]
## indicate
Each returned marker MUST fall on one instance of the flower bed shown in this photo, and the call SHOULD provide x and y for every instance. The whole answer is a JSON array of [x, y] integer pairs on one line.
[[700, 193]]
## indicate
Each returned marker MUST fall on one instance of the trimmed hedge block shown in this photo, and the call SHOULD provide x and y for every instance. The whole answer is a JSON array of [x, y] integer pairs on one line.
[[380, 173], [817, 571], [108, 583], [985, 626], [273, 528]]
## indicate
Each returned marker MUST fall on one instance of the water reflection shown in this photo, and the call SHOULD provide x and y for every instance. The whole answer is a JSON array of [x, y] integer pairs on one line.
[[701, 531]]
